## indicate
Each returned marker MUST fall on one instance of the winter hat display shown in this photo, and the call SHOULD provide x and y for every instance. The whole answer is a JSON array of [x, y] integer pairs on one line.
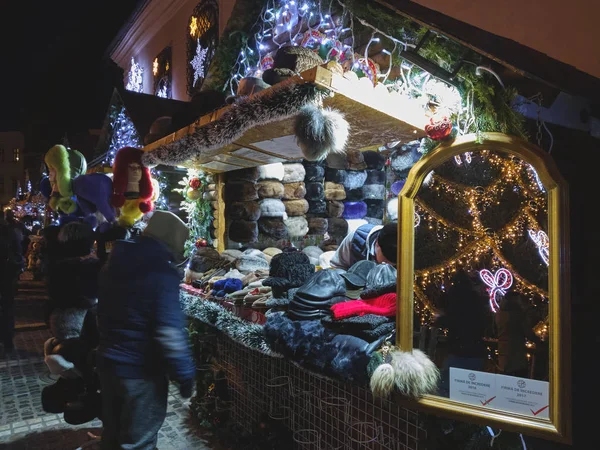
[[243, 231], [337, 227], [273, 171], [313, 252], [314, 171], [334, 191], [297, 226], [269, 189], [240, 192], [375, 209], [374, 160], [288, 270], [354, 210], [294, 191], [314, 192], [243, 211], [272, 228], [313, 299], [296, 207], [335, 208], [384, 305], [321, 132], [317, 207], [402, 159], [354, 195], [250, 174], [293, 173], [271, 207], [354, 179], [290, 60], [317, 226], [170, 230], [251, 260], [356, 277]]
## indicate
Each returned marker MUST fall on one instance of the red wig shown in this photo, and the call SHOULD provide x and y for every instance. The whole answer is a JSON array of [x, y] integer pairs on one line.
[[124, 157]]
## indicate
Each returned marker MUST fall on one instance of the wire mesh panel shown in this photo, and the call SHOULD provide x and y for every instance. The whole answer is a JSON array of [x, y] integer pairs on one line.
[[321, 413]]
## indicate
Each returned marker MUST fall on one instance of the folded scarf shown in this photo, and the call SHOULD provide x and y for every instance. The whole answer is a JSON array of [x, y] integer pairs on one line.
[[384, 305]]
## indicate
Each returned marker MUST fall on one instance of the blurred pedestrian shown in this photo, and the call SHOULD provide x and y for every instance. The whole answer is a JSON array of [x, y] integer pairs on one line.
[[142, 338]]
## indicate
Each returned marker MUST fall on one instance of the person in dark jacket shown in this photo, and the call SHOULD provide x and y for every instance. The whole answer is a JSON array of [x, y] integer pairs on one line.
[[141, 333], [368, 242]]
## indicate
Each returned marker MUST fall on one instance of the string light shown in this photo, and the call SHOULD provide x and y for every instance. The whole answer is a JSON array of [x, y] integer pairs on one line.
[[124, 134], [498, 283], [135, 81]]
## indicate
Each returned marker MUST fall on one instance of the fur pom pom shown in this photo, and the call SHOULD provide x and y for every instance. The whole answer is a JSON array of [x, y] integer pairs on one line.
[[145, 207], [431, 373], [383, 381], [320, 131], [407, 373]]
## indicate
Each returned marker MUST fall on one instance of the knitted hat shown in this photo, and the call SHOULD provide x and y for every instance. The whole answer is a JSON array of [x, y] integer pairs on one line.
[[271, 172], [296, 207], [293, 191], [243, 231], [335, 208], [356, 160], [375, 177], [375, 208], [226, 286], [271, 207], [166, 227], [317, 207], [354, 210], [317, 226], [355, 195], [381, 280], [240, 192], [272, 227], [297, 226], [334, 191], [384, 305], [314, 191], [313, 252], [314, 172], [354, 179], [374, 191], [289, 269], [337, 227], [251, 260], [243, 211], [293, 172], [374, 160], [269, 189], [250, 174]]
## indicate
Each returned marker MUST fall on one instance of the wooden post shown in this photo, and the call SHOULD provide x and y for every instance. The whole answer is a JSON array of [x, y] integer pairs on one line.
[[221, 230]]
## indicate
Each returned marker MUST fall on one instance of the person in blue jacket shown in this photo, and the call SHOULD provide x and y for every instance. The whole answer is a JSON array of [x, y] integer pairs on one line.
[[368, 242], [142, 341]]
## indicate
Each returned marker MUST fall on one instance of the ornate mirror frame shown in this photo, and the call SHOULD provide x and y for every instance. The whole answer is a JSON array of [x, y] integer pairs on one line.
[[558, 426]]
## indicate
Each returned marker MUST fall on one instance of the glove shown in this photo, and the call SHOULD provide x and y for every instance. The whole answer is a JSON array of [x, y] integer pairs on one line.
[[186, 388]]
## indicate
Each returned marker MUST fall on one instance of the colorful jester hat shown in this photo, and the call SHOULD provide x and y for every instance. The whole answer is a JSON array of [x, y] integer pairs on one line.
[[64, 165]]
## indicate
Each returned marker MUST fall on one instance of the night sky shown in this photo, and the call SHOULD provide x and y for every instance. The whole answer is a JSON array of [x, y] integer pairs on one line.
[[55, 77]]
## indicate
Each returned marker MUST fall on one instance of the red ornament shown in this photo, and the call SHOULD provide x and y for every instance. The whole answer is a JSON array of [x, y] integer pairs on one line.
[[438, 129], [195, 183], [201, 243]]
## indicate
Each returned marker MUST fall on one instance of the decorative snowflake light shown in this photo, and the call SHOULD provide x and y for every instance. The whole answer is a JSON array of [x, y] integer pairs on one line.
[[498, 283], [135, 80], [198, 62], [543, 244], [162, 91]]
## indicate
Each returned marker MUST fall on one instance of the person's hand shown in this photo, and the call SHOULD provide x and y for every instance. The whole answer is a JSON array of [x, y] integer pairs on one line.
[[186, 388]]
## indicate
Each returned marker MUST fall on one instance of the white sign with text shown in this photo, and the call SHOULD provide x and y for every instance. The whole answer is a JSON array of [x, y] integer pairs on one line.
[[473, 387]]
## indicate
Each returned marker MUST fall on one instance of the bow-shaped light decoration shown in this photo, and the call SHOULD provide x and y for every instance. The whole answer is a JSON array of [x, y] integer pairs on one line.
[[498, 283], [458, 158], [543, 244]]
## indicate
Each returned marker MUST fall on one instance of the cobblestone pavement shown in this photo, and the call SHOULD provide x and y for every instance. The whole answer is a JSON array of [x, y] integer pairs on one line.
[[23, 375]]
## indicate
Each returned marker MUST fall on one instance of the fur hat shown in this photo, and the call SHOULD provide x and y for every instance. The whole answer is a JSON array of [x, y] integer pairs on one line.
[[335, 208], [334, 191], [355, 195], [293, 172], [375, 177], [231, 254], [271, 251], [321, 132], [314, 172], [269, 189], [356, 160], [337, 161], [354, 179], [337, 227], [314, 191], [317, 225], [251, 260], [392, 209], [250, 174], [204, 259], [296, 207], [374, 160], [293, 191], [290, 60], [123, 158], [272, 207], [403, 158], [397, 187], [272, 227], [313, 252], [169, 229], [271, 172], [354, 210], [317, 207], [335, 175], [375, 208], [374, 191], [329, 245], [289, 269], [240, 192], [243, 231], [244, 211], [297, 226]]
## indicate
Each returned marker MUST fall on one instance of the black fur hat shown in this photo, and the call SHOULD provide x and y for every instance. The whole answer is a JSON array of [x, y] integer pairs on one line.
[[272, 227], [337, 227], [375, 208], [335, 208], [335, 175], [289, 269], [250, 174], [244, 211], [314, 191], [375, 177], [317, 225], [243, 231], [314, 172], [355, 195], [374, 160], [240, 192], [317, 207]]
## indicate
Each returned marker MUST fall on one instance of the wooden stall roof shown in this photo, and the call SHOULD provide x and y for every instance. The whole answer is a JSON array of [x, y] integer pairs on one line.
[[374, 121]]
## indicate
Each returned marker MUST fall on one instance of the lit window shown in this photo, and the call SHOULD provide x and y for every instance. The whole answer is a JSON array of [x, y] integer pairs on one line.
[[16, 155]]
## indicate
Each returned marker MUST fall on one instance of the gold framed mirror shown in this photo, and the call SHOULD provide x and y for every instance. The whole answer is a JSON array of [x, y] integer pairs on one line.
[[483, 289]]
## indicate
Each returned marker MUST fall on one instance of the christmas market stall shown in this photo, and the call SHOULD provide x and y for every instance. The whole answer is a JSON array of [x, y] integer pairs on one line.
[[340, 127]]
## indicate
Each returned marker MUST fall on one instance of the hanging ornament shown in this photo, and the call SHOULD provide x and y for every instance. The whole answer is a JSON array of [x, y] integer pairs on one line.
[[498, 283], [195, 183], [439, 128], [312, 39], [367, 67], [193, 194], [542, 242], [201, 243]]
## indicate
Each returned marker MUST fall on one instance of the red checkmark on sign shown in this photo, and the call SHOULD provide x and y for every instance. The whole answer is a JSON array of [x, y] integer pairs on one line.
[[487, 401], [535, 413]]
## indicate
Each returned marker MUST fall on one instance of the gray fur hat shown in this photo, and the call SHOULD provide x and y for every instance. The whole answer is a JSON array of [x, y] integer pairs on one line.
[[373, 191], [354, 179], [294, 191], [335, 208], [313, 252], [314, 171], [317, 207], [243, 211], [252, 260], [270, 189], [375, 177], [272, 227], [271, 172], [272, 207], [297, 207], [243, 231], [403, 158], [293, 172], [334, 191], [297, 226]]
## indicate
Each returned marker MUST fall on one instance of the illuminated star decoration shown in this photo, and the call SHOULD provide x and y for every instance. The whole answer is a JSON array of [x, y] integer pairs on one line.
[[198, 62], [193, 26], [155, 67], [498, 283], [543, 244], [135, 80], [162, 91]]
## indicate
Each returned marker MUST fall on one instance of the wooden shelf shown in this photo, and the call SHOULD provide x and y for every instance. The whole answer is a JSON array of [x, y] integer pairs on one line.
[[374, 121]]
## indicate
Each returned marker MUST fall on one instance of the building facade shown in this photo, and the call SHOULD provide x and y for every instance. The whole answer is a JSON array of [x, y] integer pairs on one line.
[[12, 168]]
